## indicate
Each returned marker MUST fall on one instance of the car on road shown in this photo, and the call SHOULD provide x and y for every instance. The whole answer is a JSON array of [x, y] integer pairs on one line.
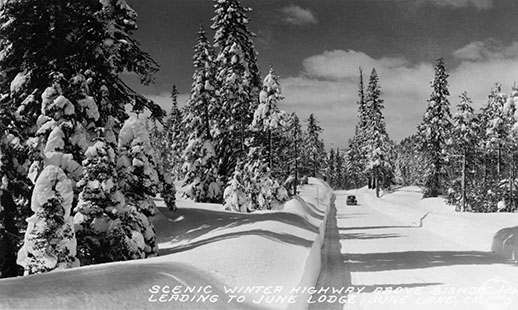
[[351, 200]]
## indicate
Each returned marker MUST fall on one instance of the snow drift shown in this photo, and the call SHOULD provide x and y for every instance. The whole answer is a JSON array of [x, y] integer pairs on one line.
[[209, 259]]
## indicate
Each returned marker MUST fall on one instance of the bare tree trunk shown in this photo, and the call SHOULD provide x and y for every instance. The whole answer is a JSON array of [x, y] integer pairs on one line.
[[511, 183], [499, 161], [270, 149], [8, 266], [463, 183], [296, 166]]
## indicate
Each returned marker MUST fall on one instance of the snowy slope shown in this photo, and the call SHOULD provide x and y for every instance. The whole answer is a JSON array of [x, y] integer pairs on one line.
[[204, 249]]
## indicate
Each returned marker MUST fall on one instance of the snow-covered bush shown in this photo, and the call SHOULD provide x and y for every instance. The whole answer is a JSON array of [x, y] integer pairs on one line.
[[50, 241], [236, 193], [139, 179], [201, 174], [252, 187], [99, 207]]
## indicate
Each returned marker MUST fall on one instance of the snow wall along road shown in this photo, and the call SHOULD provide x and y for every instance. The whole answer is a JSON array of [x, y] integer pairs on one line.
[[262, 260]]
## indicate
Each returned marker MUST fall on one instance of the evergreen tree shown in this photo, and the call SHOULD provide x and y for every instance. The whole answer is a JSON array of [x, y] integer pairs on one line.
[[174, 138], [65, 88], [465, 134], [331, 169], [377, 143], [15, 186], [511, 111], [314, 147], [263, 190], [409, 168], [268, 119], [252, 186], [139, 176], [435, 133], [494, 143], [340, 169], [200, 161], [356, 158], [354, 166], [237, 79], [100, 204], [50, 241], [294, 151]]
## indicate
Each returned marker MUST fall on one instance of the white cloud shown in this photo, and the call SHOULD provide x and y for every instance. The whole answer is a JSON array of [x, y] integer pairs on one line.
[[328, 86], [339, 64], [479, 4], [486, 50], [484, 63], [296, 15]]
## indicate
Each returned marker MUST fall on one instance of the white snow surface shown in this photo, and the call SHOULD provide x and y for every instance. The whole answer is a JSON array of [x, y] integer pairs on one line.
[[472, 231], [402, 260], [201, 246]]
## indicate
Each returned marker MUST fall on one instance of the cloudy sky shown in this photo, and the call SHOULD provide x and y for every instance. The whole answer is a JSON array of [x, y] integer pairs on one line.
[[316, 47]]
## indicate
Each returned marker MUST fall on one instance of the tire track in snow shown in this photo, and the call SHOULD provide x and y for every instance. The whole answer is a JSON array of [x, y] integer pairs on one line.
[[333, 272]]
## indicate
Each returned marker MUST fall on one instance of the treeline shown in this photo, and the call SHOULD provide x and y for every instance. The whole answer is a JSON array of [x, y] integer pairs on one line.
[[231, 143], [369, 158], [468, 156]]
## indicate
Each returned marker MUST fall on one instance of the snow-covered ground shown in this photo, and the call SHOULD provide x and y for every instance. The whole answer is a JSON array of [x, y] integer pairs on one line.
[[473, 231], [394, 262], [209, 258]]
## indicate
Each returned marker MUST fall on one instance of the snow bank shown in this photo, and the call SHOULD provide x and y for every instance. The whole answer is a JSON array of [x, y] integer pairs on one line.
[[252, 256], [505, 243], [473, 231]]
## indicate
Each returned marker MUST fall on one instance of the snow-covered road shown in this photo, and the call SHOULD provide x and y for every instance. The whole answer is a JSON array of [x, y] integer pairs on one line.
[[398, 265]]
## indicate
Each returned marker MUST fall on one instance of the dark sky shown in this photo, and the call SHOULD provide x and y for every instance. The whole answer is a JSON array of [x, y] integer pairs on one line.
[[317, 46]]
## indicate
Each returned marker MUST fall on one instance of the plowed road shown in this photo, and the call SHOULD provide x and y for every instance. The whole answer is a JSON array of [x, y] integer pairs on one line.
[[373, 261]]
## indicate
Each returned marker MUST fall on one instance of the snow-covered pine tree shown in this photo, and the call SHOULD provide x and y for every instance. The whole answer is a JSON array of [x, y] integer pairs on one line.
[[238, 82], [264, 191], [511, 110], [100, 206], [70, 54], [268, 118], [435, 133], [357, 162], [293, 153], [494, 192], [331, 169], [409, 168], [200, 161], [252, 186], [14, 187], [139, 175], [174, 141], [231, 26], [91, 37], [354, 166], [340, 169], [168, 144], [314, 147], [50, 240], [497, 126], [465, 134], [236, 196], [377, 147]]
